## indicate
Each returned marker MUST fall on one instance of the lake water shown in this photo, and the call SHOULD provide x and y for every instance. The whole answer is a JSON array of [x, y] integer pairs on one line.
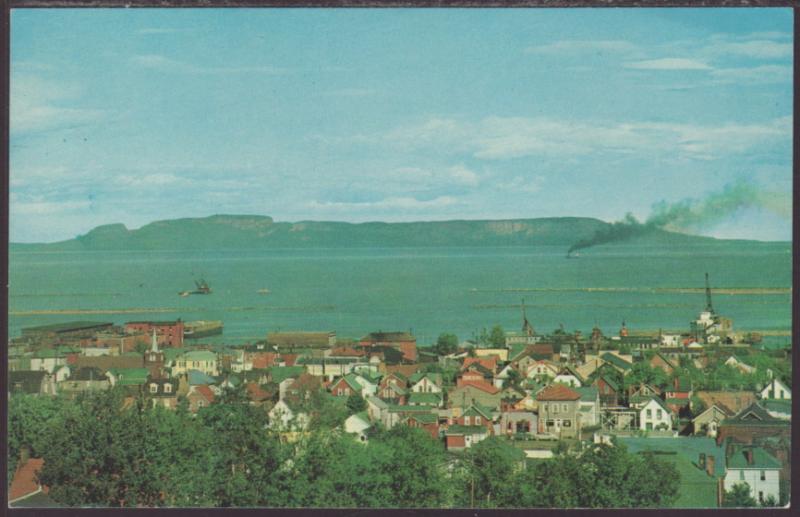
[[430, 290]]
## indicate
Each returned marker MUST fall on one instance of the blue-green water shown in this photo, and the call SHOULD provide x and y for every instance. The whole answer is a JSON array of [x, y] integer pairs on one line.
[[354, 291]]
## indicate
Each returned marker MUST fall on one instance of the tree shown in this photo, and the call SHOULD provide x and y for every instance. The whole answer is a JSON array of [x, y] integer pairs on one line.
[[497, 337], [491, 468], [356, 403], [446, 344], [739, 496]]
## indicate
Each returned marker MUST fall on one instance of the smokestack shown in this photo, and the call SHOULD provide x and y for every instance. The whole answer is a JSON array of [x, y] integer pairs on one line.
[[710, 465]]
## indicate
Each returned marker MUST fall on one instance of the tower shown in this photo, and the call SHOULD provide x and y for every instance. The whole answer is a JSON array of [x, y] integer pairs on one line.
[[154, 358], [527, 328], [709, 307]]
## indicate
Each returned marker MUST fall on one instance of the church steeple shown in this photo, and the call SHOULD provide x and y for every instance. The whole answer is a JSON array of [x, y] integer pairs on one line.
[[154, 343], [527, 328]]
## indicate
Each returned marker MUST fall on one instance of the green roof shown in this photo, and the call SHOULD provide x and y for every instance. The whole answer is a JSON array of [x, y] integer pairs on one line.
[[476, 409], [780, 406], [616, 361], [588, 393], [466, 429], [396, 408], [425, 418], [351, 381], [761, 459], [515, 350], [47, 353], [425, 398], [281, 373], [200, 355], [130, 376]]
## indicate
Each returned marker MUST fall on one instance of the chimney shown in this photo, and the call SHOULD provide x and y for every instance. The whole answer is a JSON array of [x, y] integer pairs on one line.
[[748, 453], [710, 465], [702, 461]]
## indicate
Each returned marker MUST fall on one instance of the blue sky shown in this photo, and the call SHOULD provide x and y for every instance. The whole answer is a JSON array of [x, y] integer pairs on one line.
[[396, 115]]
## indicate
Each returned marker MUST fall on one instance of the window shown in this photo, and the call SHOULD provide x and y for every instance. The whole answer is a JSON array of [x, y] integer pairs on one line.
[[741, 475], [550, 423], [763, 476], [545, 407], [567, 423], [659, 414], [649, 413], [761, 497], [467, 420], [564, 408], [555, 408], [168, 388], [153, 388]]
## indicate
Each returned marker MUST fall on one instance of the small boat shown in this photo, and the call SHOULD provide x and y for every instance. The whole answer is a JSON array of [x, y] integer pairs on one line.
[[263, 291], [202, 288]]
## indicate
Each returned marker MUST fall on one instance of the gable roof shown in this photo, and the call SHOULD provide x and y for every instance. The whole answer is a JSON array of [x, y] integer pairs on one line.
[[663, 358], [204, 391], [423, 418], [659, 402], [608, 380], [351, 381], [379, 402], [735, 401], [588, 393], [486, 363], [196, 377], [483, 386], [753, 414], [477, 409], [558, 392], [569, 370], [616, 361], [761, 459], [433, 399]]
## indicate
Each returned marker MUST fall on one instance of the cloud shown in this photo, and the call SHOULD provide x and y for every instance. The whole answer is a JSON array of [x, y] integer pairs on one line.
[[761, 49], [36, 106], [500, 138], [42, 207], [147, 180], [389, 203], [668, 63], [159, 62], [582, 46], [764, 74]]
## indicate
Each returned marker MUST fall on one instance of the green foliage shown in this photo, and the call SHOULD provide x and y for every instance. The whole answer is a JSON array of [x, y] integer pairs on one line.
[[738, 497], [489, 477], [27, 416], [327, 411], [497, 337], [356, 404], [642, 372], [446, 344]]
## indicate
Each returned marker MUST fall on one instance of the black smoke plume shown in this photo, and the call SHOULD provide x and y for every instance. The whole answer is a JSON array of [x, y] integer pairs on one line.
[[690, 214]]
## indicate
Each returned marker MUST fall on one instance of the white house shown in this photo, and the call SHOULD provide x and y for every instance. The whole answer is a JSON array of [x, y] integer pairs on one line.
[[358, 424], [426, 384], [776, 390], [47, 360], [542, 369], [62, 373], [569, 377], [756, 467], [282, 417], [655, 415]]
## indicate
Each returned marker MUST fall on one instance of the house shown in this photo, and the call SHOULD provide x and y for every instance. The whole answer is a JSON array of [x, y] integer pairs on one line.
[[733, 401], [752, 423], [202, 360], [623, 366], [402, 341], [518, 423], [303, 387], [256, 394], [663, 363], [655, 415], [756, 467], [425, 399], [740, 364], [127, 376], [85, 379], [776, 389], [472, 426], [328, 367], [199, 396], [505, 374], [48, 360], [287, 415], [426, 382], [357, 424], [348, 385], [33, 383], [778, 408], [541, 369], [707, 422], [475, 372], [558, 411], [162, 391], [426, 421], [500, 353], [62, 373], [589, 366], [609, 390], [377, 409], [489, 363], [589, 406], [169, 333], [641, 394], [569, 376], [482, 392]]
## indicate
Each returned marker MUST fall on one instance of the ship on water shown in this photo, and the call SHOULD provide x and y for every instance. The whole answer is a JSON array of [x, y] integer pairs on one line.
[[201, 328], [202, 288]]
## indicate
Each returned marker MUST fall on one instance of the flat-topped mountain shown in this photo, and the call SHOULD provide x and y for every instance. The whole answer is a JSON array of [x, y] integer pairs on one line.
[[258, 232]]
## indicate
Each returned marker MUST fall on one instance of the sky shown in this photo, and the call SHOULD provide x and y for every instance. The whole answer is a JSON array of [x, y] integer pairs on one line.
[[136, 115]]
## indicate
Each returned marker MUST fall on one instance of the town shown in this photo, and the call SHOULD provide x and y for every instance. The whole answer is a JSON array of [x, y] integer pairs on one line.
[[711, 403]]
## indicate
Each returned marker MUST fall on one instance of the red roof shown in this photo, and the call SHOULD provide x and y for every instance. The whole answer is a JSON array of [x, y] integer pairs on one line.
[[289, 359], [24, 482], [205, 392], [558, 392], [490, 363], [255, 393], [346, 351], [483, 386], [263, 360]]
